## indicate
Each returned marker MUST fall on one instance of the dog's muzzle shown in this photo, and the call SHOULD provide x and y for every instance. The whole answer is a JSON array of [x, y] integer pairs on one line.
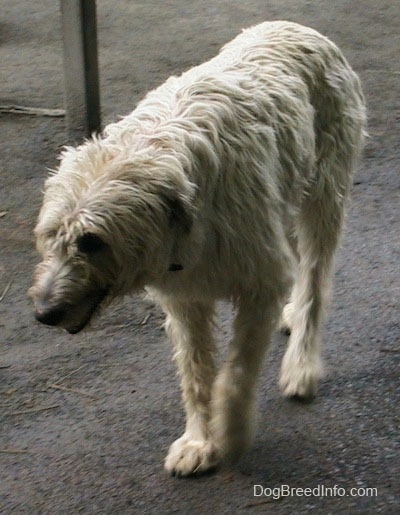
[[73, 318], [52, 315]]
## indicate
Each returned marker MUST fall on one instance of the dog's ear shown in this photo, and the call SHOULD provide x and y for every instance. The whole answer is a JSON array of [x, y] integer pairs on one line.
[[178, 212]]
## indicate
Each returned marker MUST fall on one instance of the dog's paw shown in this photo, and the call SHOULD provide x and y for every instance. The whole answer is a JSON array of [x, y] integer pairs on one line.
[[286, 320], [188, 457], [299, 380]]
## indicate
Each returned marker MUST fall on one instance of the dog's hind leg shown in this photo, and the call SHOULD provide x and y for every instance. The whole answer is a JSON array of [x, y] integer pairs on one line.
[[318, 227], [286, 319], [338, 124], [234, 390], [189, 326]]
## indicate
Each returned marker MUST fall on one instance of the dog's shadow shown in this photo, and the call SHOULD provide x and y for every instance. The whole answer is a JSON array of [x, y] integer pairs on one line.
[[292, 444]]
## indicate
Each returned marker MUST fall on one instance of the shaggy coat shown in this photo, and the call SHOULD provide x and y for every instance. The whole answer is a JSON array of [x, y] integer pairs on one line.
[[228, 182]]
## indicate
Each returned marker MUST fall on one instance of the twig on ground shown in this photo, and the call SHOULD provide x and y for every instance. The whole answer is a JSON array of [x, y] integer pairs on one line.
[[116, 364], [35, 111], [5, 291], [142, 322], [14, 451], [260, 503], [71, 390], [70, 374], [145, 319], [34, 410]]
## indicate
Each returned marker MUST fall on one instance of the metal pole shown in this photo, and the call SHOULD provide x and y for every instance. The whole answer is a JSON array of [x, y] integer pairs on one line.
[[81, 74]]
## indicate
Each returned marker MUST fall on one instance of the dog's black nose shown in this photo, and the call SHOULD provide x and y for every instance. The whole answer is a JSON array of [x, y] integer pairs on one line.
[[50, 316]]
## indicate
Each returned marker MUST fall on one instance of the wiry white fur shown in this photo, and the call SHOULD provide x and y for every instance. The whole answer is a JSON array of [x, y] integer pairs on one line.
[[239, 171]]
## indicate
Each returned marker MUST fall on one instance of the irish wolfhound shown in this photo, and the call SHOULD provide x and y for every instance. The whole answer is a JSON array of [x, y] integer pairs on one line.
[[228, 182]]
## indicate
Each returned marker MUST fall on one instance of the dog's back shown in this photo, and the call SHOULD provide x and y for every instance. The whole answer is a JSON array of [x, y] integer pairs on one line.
[[280, 89], [276, 116]]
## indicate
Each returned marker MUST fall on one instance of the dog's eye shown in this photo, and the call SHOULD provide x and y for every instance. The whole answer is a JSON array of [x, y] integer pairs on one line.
[[90, 243]]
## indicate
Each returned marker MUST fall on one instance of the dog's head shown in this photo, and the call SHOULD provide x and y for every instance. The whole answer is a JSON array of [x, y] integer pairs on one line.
[[107, 226]]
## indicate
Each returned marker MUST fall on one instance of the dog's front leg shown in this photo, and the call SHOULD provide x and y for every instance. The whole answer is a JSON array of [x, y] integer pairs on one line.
[[234, 390], [189, 326]]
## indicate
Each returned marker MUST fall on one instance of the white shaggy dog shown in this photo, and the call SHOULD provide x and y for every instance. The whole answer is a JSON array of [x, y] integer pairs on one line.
[[228, 182]]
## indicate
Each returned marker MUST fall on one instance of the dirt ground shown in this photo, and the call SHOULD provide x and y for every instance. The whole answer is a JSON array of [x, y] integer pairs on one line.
[[87, 420]]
